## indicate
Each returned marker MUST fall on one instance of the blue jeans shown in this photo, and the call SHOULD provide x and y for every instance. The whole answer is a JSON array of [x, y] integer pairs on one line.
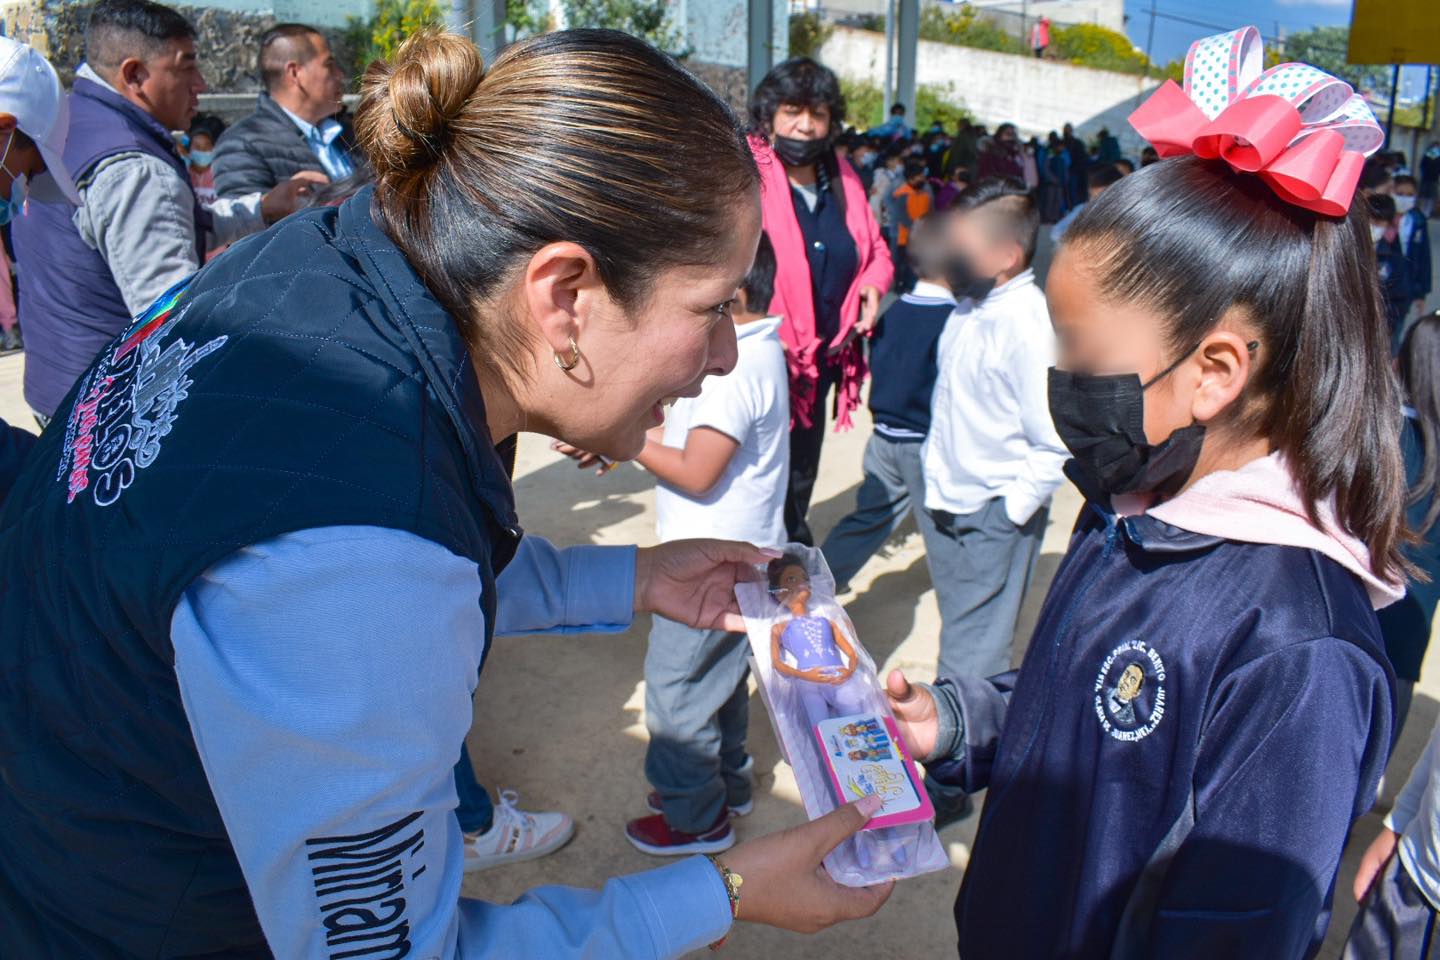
[[894, 484], [476, 812], [697, 709]]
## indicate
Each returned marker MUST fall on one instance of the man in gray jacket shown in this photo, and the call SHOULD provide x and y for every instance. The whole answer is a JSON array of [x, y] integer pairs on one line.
[[293, 127], [139, 229]]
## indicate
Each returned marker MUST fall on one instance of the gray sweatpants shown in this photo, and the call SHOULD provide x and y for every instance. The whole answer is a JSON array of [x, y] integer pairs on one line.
[[697, 709], [1395, 921], [894, 485], [981, 564]]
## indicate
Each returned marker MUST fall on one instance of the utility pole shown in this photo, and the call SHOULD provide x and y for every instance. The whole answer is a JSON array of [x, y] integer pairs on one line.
[[1394, 92], [760, 45], [1429, 84], [483, 21], [889, 59], [907, 33], [1150, 39]]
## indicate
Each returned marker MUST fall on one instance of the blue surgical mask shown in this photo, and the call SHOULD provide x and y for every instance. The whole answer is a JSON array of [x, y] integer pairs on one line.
[[202, 158], [13, 205]]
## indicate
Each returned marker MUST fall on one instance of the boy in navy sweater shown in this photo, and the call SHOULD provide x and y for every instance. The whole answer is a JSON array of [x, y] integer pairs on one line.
[[902, 366]]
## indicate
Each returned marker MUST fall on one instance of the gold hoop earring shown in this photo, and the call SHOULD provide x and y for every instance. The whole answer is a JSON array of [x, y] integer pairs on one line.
[[573, 362]]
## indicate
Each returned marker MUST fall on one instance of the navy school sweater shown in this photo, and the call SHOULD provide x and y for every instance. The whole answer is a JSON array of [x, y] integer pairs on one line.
[[1175, 767], [903, 361]]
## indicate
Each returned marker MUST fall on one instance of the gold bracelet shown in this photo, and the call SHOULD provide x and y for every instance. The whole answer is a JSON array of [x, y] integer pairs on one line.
[[732, 881]]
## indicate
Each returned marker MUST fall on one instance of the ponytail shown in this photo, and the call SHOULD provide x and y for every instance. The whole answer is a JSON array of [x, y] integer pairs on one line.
[[1338, 413]]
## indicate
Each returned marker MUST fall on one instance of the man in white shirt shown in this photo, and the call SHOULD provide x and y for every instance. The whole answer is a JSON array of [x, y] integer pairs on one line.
[[992, 458]]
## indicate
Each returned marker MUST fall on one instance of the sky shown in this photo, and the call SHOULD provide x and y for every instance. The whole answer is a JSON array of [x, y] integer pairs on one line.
[[1173, 35]]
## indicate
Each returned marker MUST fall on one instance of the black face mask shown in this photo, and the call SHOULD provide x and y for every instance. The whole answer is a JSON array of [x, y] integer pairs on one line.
[[965, 282], [800, 153], [1102, 421]]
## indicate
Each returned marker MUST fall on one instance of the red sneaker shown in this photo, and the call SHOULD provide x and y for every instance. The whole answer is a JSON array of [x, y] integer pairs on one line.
[[656, 805], [653, 835]]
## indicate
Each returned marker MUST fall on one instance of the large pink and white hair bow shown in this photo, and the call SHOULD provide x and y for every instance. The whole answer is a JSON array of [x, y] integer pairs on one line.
[[1302, 131]]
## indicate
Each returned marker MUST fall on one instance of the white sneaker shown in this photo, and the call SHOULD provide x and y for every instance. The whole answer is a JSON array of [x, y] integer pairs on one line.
[[516, 836]]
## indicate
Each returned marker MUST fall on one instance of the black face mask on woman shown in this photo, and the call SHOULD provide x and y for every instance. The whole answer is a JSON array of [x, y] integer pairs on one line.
[[1102, 421], [800, 153], [965, 282]]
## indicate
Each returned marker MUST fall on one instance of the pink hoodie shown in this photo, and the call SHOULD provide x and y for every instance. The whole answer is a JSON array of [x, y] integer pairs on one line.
[[794, 298], [1259, 503]]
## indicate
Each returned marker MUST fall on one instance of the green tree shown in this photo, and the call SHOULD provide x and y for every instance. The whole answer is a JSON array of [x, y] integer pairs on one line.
[[934, 102], [965, 28], [527, 17], [865, 105], [647, 19], [808, 33], [1091, 45], [379, 37], [1325, 47], [1174, 70]]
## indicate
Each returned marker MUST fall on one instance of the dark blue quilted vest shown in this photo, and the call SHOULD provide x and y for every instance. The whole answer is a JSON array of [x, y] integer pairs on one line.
[[305, 378], [69, 302]]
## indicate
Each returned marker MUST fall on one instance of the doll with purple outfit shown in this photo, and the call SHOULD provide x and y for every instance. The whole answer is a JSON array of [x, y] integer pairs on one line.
[[812, 650]]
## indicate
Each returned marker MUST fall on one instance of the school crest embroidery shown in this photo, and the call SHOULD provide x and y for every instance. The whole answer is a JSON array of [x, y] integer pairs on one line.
[[128, 403], [1130, 691]]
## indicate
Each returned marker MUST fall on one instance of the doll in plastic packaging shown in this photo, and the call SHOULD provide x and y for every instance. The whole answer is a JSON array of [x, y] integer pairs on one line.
[[833, 721], [812, 649]]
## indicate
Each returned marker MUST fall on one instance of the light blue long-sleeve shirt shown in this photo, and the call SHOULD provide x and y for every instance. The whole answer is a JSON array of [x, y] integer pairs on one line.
[[1416, 817], [327, 676]]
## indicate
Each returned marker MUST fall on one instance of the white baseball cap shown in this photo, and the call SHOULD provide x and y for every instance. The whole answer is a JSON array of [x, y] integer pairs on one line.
[[30, 91]]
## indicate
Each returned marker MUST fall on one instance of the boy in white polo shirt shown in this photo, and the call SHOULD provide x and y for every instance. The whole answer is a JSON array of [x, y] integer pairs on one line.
[[992, 457], [723, 466]]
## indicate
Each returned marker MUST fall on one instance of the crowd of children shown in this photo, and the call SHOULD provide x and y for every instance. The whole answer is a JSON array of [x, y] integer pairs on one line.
[[1210, 698], [1211, 627]]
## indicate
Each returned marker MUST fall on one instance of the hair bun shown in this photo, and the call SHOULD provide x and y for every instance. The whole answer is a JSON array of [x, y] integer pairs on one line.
[[409, 102]]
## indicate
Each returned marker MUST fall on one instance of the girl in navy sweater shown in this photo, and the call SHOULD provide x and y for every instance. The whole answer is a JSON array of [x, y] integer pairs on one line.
[[1206, 704]]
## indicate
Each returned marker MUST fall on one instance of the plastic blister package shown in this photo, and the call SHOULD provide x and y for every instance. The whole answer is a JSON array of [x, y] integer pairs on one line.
[[833, 722]]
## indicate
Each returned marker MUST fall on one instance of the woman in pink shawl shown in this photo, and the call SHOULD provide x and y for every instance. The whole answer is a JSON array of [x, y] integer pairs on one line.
[[833, 263]]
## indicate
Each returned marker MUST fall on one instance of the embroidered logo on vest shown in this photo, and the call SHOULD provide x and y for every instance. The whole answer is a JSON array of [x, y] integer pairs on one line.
[[127, 403], [1130, 691]]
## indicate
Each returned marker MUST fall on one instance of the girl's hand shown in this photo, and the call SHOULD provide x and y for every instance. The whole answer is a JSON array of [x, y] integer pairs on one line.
[[915, 714], [785, 884], [693, 581], [1377, 855], [582, 458]]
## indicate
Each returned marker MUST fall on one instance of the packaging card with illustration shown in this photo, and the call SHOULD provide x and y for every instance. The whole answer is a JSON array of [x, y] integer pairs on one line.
[[834, 725]]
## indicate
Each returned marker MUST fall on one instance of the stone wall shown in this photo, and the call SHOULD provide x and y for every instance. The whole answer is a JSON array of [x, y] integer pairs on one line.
[[228, 41], [1036, 95]]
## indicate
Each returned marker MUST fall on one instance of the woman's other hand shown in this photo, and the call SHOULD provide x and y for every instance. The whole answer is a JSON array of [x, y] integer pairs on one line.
[[693, 581], [1372, 863], [915, 713], [869, 310], [784, 881]]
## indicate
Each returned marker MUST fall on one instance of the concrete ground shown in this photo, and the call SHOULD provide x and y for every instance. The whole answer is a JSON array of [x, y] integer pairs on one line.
[[560, 719]]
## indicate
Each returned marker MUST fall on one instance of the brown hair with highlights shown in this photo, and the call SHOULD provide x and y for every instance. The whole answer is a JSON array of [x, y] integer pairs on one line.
[[589, 136]]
